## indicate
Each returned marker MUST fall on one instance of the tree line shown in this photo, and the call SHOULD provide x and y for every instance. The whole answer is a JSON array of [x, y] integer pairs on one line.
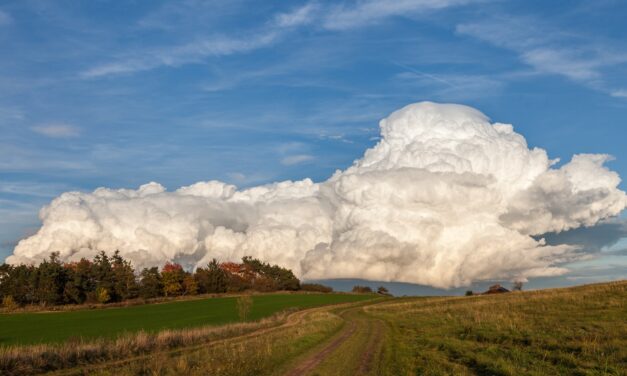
[[107, 279]]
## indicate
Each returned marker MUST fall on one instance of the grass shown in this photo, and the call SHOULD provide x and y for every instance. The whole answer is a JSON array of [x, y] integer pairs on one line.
[[56, 327], [575, 331], [260, 355]]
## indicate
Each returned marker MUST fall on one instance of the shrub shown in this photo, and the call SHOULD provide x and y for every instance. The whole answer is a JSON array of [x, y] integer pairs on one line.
[[9, 303], [362, 289], [316, 287], [102, 295], [244, 304]]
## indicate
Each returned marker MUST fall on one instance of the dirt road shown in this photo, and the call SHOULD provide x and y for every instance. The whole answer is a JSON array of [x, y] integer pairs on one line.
[[353, 351]]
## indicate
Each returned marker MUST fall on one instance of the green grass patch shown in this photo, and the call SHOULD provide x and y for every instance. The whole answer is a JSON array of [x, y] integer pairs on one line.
[[52, 327], [574, 331]]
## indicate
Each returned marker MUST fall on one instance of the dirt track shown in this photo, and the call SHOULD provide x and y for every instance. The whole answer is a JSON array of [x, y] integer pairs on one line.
[[353, 351], [292, 320]]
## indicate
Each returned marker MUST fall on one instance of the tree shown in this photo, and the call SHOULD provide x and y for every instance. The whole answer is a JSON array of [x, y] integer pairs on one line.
[[80, 282], [172, 275], [190, 286], [150, 284], [469, 293], [362, 289], [382, 291], [20, 282], [315, 287], [518, 285], [104, 277], [244, 304], [211, 279], [125, 284], [284, 279], [51, 279]]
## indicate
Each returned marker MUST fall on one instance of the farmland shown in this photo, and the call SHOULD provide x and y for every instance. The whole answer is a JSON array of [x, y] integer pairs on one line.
[[581, 330], [49, 327]]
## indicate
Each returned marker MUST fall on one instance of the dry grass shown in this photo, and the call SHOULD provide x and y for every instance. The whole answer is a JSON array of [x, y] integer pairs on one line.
[[575, 331], [25, 360], [252, 355]]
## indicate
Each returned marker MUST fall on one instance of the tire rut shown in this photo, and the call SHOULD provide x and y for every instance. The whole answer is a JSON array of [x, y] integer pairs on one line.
[[313, 361]]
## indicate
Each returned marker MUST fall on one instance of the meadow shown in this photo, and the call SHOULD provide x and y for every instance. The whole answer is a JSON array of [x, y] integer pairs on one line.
[[569, 331], [54, 327]]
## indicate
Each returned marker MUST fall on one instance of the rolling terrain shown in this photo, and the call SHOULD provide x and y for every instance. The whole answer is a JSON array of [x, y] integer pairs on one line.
[[579, 331]]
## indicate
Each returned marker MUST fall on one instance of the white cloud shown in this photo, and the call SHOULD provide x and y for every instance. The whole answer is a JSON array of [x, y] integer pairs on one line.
[[621, 93], [194, 52], [300, 16], [550, 51], [356, 14], [344, 16], [57, 130], [5, 18], [445, 198], [296, 159]]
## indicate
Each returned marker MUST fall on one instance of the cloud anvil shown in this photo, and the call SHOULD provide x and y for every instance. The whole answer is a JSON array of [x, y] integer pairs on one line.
[[444, 199]]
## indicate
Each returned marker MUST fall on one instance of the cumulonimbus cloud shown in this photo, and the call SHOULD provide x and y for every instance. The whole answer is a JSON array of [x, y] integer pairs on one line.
[[444, 199]]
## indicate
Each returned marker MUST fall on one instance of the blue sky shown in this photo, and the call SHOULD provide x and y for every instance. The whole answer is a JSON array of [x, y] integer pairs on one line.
[[117, 94]]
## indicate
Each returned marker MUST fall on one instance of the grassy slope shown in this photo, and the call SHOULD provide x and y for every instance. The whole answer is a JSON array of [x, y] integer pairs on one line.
[[29, 328], [575, 331]]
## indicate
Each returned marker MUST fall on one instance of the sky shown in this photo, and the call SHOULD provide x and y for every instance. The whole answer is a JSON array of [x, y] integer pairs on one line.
[[118, 94]]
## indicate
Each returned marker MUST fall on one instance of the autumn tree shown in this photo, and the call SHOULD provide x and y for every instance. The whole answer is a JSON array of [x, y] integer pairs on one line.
[[172, 275], [190, 286]]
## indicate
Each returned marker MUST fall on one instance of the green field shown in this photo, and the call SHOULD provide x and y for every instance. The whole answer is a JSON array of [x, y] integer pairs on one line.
[[50, 327]]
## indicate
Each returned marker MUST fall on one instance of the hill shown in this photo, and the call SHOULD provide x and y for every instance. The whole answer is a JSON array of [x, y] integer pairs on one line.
[[575, 331]]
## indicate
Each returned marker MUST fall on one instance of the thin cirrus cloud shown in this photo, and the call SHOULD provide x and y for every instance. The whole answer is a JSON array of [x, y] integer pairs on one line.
[[549, 51], [5, 18], [197, 51], [57, 130], [343, 17], [181, 55], [621, 93], [337, 17], [296, 159]]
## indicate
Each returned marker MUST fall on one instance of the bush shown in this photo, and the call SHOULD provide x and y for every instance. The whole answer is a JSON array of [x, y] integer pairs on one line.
[[244, 304], [362, 289], [469, 293], [102, 295], [383, 291], [9, 303], [315, 287]]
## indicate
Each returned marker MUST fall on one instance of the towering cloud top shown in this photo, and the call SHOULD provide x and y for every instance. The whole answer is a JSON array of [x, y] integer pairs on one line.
[[444, 199]]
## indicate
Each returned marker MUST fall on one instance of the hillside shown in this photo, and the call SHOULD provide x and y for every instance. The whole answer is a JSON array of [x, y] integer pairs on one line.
[[579, 331]]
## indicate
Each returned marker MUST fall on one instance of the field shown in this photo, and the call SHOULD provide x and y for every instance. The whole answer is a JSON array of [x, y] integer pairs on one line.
[[49, 327], [573, 331]]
